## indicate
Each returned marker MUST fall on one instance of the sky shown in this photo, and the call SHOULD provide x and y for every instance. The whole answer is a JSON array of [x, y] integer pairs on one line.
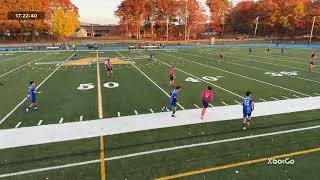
[[101, 11]]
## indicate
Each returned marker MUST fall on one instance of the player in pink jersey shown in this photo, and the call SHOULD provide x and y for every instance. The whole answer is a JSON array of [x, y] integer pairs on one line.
[[207, 96], [108, 64], [172, 77]]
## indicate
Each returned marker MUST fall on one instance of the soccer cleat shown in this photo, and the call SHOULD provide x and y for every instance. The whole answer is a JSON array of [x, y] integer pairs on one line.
[[27, 110], [202, 117], [173, 115], [36, 108], [244, 128]]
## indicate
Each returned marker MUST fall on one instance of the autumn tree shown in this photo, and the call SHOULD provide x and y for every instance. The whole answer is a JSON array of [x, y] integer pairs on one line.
[[219, 10], [166, 12], [243, 17], [64, 19]]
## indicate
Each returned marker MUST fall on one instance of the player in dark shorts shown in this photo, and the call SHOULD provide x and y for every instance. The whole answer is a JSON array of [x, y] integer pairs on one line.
[[313, 54], [207, 96], [250, 51], [221, 55], [312, 65], [268, 49], [108, 64], [282, 51]]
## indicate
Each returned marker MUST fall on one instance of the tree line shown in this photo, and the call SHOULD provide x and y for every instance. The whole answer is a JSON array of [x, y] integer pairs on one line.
[[167, 18]]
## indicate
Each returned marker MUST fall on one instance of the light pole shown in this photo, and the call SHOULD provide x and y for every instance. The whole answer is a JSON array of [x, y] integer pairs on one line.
[[255, 30], [186, 23], [311, 34]]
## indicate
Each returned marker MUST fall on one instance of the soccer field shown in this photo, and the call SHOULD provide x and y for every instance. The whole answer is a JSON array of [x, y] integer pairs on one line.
[[213, 150]]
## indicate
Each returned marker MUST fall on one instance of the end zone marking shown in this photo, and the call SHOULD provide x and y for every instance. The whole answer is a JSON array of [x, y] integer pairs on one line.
[[39, 123], [119, 114], [196, 106], [224, 103], [136, 112], [296, 96], [81, 118], [61, 121], [243, 163], [274, 98], [262, 100], [151, 111], [18, 124]]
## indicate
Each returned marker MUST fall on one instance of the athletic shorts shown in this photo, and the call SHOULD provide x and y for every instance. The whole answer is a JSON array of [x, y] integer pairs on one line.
[[205, 103], [33, 100], [246, 114], [109, 69], [173, 104], [171, 78]]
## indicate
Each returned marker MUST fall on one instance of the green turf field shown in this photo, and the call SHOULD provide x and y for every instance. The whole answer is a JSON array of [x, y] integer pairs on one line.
[[69, 94]]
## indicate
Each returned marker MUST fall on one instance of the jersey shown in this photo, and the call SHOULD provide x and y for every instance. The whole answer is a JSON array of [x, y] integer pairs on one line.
[[207, 95], [173, 97], [172, 72], [247, 105], [32, 93], [108, 64]]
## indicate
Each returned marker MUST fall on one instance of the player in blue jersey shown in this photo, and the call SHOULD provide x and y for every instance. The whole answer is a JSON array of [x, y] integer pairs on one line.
[[32, 96], [248, 107], [173, 101]]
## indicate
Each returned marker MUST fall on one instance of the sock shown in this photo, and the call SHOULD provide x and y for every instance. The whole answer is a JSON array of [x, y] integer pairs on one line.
[[203, 111], [173, 112]]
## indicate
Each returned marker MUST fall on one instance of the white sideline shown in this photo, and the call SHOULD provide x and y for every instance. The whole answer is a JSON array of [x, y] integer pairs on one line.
[[156, 151], [1, 61], [10, 138]]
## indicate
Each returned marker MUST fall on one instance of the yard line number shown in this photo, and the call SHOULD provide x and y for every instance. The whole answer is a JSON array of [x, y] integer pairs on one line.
[[207, 78], [282, 73], [88, 86]]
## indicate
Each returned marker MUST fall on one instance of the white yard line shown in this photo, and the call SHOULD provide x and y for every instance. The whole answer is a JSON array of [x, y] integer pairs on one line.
[[224, 103], [18, 124], [285, 97], [151, 111], [61, 121], [39, 123], [296, 96], [22, 66], [274, 98], [149, 79], [270, 84], [81, 118], [143, 153], [210, 105], [262, 100], [14, 57], [200, 79], [317, 94], [119, 114], [136, 112], [196, 106], [17, 106], [237, 102]]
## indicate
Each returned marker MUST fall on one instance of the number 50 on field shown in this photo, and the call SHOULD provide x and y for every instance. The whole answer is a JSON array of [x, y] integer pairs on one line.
[[88, 86]]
